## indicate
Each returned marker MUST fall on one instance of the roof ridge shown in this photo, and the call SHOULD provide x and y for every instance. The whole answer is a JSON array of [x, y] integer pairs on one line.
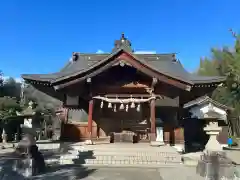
[[85, 54], [155, 54]]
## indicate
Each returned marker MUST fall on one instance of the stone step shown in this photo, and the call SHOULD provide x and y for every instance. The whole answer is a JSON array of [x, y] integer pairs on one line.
[[128, 149], [127, 161], [112, 162], [190, 162], [118, 160], [127, 153], [120, 155], [91, 162], [123, 157]]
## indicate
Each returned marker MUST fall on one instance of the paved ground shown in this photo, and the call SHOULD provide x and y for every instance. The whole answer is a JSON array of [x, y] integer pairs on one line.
[[69, 172], [109, 173], [74, 173]]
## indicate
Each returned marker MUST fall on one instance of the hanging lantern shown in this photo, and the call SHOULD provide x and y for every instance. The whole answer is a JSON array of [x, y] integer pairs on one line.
[[132, 105], [101, 105], [121, 106], [138, 107], [115, 108], [127, 108], [109, 105]]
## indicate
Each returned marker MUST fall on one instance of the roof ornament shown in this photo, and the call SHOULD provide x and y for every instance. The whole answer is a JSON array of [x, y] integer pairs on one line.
[[122, 43], [174, 58], [74, 56], [123, 37]]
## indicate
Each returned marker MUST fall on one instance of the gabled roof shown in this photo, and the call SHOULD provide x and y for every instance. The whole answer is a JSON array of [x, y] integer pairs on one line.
[[168, 67], [204, 100], [165, 64], [161, 62]]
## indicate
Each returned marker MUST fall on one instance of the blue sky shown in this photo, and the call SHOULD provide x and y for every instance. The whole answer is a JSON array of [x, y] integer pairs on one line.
[[39, 36]]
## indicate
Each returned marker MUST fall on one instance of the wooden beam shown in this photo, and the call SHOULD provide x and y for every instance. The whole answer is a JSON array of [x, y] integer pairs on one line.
[[153, 120], [128, 95], [90, 120], [134, 85], [129, 59]]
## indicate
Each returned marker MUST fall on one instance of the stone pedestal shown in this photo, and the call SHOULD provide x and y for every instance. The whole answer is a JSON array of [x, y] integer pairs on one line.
[[215, 165], [29, 160], [152, 137], [24, 167], [4, 136], [89, 142], [212, 129]]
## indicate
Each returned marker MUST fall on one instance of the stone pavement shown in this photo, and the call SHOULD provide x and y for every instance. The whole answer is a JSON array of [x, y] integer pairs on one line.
[[234, 155], [110, 173], [77, 172], [74, 172]]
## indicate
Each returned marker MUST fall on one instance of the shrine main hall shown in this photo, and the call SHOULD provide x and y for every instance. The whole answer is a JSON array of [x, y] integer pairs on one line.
[[124, 96]]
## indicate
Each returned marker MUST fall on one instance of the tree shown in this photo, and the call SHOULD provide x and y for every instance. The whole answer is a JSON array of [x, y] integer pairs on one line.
[[45, 103], [9, 98], [11, 88], [9, 107], [208, 67], [1, 84], [46, 106], [225, 62], [9, 102]]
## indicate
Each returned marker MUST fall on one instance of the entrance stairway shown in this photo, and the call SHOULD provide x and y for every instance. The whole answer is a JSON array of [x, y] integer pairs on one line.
[[122, 154]]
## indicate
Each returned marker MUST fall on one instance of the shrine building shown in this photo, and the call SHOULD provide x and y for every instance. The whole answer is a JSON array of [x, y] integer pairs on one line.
[[124, 95]]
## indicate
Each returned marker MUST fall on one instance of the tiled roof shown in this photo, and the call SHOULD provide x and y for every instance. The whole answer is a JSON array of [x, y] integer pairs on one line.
[[163, 63], [205, 99]]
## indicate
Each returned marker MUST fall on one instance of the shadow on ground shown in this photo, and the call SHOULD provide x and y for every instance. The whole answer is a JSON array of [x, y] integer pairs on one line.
[[66, 172], [53, 170]]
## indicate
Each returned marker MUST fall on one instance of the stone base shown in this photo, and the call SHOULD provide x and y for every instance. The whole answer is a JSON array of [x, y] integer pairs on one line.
[[157, 143], [215, 164], [89, 142], [213, 145], [24, 167], [28, 167], [152, 136]]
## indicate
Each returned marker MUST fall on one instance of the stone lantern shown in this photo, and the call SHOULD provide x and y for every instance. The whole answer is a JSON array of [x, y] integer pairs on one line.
[[207, 110], [213, 162], [4, 136], [28, 114], [30, 161], [212, 129]]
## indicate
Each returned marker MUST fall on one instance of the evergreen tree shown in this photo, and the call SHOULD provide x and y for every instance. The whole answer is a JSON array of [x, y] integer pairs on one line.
[[1, 84], [226, 62]]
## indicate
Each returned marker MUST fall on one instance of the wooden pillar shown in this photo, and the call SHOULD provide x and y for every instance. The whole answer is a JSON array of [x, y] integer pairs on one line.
[[90, 121], [153, 120]]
